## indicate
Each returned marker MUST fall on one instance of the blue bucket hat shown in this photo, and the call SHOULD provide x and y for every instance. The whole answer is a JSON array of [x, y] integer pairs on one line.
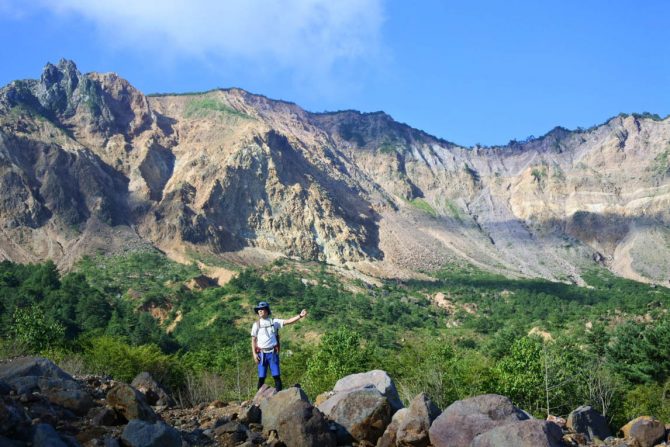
[[262, 305]]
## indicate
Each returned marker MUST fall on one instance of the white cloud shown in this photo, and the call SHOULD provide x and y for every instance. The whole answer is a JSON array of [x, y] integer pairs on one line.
[[310, 38]]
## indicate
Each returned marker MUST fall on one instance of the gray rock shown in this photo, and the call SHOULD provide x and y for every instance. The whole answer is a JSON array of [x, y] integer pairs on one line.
[[302, 424], [67, 394], [588, 421], [154, 393], [25, 385], [31, 366], [5, 388], [644, 431], [12, 418], [362, 415], [250, 414], [107, 417], [130, 403], [44, 435], [145, 434], [231, 433], [463, 420], [389, 437], [413, 430], [273, 407], [264, 392], [377, 378], [528, 433]]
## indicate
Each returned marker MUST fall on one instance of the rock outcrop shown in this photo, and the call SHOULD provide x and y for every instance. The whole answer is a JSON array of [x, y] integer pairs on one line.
[[464, 420], [529, 433], [588, 421], [644, 431]]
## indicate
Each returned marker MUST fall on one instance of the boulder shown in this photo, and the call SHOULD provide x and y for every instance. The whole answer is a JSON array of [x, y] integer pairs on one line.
[[528, 433], [264, 392], [377, 378], [413, 430], [5, 388], [231, 433], [644, 431], [145, 434], [31, 366], [250, 414], [588, 421], [463, 420], [302, 424], [389, 437], [361, 415], [44, 435], [153, 392], [273, 407], [107, 417], [12, 419], [130, 403], [29, 374], [66, 393]]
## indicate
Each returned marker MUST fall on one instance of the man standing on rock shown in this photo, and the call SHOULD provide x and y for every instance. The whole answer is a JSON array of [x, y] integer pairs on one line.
[[265, 342]]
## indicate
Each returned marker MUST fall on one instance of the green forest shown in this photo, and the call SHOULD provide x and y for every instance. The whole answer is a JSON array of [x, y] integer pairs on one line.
[[550, 347]]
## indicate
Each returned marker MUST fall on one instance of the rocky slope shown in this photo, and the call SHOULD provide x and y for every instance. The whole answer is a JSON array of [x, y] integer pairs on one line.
[[43, 406], [89, 163]]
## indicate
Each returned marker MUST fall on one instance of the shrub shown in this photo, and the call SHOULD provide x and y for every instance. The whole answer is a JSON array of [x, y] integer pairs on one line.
[[339, 354], [107, 355], [37, 333]]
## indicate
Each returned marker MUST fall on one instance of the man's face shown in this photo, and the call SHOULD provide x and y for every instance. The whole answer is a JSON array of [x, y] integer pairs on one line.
[[263, 313]]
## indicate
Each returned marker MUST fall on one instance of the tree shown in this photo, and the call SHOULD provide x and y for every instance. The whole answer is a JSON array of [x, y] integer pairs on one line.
[[339, 354], [521, 374], [33, 329]]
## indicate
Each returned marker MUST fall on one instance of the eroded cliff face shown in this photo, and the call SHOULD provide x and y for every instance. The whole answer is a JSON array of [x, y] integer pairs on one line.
[[89, 163]]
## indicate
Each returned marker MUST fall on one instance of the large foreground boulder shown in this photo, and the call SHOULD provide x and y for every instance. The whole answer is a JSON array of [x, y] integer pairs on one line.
[[44, 435], [302, 424], [264, 393], [22, 367], [390, 436], [465, 419], [361, 415], [644, 431], [588, 421], [378, 379], [273, 407], [29, 374], [153, 392], [296, 421], [529, 433], [413, 428], [146, 434], [130, 403], [66, 393]]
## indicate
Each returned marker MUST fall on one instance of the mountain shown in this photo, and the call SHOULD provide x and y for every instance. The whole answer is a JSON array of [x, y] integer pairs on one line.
[[90, 164]]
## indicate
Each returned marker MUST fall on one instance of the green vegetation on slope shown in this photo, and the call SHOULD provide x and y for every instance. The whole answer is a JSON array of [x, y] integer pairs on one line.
[[204, 106], [605, 345]]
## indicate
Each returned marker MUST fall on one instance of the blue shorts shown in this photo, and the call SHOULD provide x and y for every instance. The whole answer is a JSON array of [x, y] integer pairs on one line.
[[270, 359]]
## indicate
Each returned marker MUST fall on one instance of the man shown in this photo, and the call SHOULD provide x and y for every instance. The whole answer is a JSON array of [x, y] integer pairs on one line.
[[265, 342]]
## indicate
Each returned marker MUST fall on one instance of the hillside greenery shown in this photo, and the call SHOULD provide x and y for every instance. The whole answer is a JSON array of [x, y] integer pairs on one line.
[[549, 346]]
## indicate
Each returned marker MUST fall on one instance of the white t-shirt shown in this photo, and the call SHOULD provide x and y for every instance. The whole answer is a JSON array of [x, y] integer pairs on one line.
[[266, 334]]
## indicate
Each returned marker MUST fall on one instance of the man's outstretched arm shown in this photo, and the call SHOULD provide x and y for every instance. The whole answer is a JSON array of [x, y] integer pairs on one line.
[[302, 314]]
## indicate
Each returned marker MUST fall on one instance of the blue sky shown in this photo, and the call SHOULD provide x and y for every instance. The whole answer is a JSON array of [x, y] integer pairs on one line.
[[470, 72]]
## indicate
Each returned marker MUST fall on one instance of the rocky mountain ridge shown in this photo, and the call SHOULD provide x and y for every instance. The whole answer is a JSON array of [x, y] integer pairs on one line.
[[88, 163]]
